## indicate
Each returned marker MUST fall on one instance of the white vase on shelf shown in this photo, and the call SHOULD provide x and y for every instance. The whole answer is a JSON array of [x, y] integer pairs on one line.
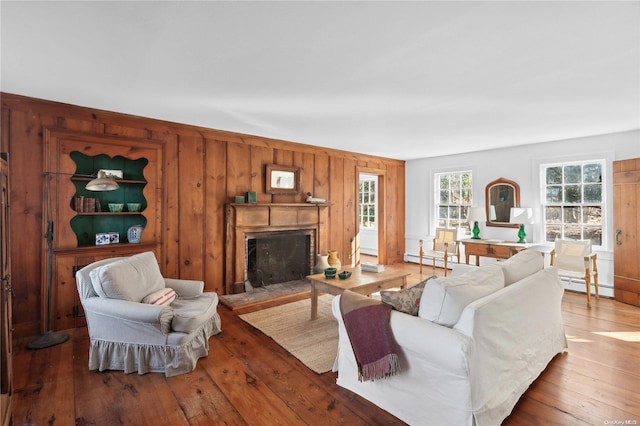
[[134, 234]]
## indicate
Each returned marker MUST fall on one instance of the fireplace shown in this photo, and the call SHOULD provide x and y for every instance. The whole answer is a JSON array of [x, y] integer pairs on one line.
[[269, 243], [277, 257]]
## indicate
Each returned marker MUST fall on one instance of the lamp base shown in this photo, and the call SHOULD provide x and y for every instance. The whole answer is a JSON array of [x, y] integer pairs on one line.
[[522, 235], [476, 231], [47, 340]]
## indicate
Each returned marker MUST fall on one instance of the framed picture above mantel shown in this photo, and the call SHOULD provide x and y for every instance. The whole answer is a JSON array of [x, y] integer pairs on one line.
[[282, 179]]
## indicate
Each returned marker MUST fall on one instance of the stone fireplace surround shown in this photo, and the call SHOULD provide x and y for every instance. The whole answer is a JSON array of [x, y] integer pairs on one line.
[[245, 220]]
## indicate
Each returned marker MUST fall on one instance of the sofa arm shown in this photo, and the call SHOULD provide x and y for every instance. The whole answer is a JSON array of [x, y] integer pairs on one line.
[[421, 339], [124, 309], [437, 344], [185, 289]]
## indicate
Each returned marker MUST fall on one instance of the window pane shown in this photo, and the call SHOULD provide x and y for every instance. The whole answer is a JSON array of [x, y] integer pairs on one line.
[[592, 173], [464, 211], [573, 232], [592, 215], [442, 223], [554, 175], [455, 181], [466, 180], [554, 194], [594, 233], [572, 214], [454, 212], [444, 197], [553, 214], [442, 212], [593, 193], [466, 196], [572, 194], [455, 196], [553, 232], [572, 174], [444, 182]]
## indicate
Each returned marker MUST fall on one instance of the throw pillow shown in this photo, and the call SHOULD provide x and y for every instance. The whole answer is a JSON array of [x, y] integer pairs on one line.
[[406, 300], [130, 278], [521, 265], [444, 299], [161, 297]]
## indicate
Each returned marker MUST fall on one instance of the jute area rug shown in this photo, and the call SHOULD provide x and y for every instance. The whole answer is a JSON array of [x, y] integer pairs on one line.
[[314, 343]]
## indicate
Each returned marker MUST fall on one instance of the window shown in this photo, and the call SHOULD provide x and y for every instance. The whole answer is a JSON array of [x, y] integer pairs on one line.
[[368, 197], [573, 195], [453, 195]]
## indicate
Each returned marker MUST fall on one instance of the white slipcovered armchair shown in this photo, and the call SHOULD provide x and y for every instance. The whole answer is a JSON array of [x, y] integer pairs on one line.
[[140, 321]]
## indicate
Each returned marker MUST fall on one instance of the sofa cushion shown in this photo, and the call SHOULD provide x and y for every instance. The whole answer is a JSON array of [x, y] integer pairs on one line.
[[130, 278], [443, 299], [190, 314], [406, 300], [161, 297], [521, 265]]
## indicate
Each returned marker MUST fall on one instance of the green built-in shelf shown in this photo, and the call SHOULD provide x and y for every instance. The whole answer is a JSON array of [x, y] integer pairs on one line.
[[94, 217]]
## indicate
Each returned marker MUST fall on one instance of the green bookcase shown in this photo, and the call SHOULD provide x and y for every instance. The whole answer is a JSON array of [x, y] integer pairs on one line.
[[94, 217]]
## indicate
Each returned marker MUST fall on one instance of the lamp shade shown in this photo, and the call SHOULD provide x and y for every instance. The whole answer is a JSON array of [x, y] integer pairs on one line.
[[476, 214], [521, 215], [102, 183]]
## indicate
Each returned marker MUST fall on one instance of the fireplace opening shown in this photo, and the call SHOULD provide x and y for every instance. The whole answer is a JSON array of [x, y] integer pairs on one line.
[[277, 257]]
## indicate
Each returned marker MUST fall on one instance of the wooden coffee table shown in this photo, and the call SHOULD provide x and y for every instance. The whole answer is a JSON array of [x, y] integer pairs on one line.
[[360, 282]]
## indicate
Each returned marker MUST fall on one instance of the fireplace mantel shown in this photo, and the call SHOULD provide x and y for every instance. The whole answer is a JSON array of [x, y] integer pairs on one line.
[[243, 219]]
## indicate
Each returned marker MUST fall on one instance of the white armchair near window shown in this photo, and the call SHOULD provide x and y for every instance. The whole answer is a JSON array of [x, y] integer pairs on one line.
[[445, 246], [574, 259]]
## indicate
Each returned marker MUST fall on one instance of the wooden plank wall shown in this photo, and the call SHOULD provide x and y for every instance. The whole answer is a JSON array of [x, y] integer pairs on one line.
[[204, 169]]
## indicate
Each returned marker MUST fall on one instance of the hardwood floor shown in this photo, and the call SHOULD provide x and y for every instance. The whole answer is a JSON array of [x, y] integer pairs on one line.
[[249, 379]]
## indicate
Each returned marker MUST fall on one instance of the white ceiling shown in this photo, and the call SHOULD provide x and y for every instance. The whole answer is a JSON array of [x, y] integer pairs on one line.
[[396, 79]]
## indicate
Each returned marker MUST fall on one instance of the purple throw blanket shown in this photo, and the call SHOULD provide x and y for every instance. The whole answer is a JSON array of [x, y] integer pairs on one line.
[[367, 323]]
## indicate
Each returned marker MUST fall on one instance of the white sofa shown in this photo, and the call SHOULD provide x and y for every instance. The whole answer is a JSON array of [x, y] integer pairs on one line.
[[473, 370], [139, 321]]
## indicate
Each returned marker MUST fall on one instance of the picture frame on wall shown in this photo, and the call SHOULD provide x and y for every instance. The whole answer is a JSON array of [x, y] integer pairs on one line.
[[282, 179]]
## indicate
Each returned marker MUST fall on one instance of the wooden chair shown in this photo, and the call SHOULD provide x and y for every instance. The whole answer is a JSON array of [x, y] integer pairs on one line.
[[445, 246], [574, 260]]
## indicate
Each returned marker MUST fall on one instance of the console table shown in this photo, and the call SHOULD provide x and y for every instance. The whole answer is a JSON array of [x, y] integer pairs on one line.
[[491, 248]]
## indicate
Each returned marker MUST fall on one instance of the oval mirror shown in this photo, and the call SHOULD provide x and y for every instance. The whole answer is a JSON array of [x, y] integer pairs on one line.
[[501, 195]]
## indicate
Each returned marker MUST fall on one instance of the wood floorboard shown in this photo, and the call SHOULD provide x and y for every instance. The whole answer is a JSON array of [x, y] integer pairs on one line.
[[249, 379]]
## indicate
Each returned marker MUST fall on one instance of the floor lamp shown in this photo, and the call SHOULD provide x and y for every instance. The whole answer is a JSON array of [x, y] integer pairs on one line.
[[99, 183]]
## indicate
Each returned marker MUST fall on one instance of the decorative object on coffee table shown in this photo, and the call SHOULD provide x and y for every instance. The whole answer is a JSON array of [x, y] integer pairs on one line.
[[330, 273], [333, 259], [360, 282], [321, 263]]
